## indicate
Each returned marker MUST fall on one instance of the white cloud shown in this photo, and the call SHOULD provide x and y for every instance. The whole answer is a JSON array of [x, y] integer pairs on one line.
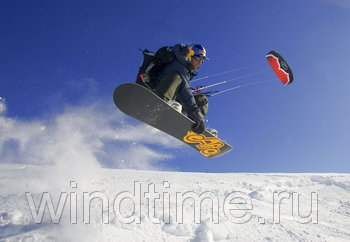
[[2, 106]]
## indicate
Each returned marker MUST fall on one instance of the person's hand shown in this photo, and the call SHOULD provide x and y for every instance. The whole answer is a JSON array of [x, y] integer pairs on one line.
[[199, 125]]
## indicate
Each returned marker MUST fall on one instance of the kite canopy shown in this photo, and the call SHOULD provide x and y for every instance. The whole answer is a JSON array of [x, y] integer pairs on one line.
[[280, 67]]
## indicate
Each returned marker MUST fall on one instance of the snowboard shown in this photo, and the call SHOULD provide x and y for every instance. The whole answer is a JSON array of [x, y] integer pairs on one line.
[[139, 102]]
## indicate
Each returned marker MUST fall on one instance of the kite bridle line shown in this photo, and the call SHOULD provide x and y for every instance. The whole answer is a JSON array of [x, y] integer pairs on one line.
[[214, 93], [228, 71], [200, 88], [275, 60]]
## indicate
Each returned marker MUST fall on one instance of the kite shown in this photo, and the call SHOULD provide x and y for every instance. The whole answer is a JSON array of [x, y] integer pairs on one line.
[[280, 67]]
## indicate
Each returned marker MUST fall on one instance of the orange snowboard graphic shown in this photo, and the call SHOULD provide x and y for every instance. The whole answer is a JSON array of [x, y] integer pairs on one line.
[[207, 146]]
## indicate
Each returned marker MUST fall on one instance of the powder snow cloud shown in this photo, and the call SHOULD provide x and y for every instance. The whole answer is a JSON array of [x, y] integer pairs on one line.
[[83, 138]]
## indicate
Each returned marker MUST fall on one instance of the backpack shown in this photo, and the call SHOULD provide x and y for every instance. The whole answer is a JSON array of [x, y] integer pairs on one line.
[[152, 66]]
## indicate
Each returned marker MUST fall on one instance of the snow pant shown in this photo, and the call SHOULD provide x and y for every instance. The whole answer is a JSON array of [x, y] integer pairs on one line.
[[168, 88]]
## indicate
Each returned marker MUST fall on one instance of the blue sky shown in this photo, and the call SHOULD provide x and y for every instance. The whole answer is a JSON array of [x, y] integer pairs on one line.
[[59, 53]]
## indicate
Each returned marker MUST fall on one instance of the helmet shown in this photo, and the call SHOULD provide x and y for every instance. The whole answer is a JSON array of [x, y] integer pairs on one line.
[[196, 51]]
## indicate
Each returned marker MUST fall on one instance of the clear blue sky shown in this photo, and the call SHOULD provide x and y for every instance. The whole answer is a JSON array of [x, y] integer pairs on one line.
[[46, 46]]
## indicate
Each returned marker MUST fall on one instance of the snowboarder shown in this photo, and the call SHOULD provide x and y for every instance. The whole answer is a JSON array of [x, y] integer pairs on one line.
[[175, 78]]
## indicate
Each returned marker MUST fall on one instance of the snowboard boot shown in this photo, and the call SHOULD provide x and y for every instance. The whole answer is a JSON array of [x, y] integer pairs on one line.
[[175, 105], [213, 131]]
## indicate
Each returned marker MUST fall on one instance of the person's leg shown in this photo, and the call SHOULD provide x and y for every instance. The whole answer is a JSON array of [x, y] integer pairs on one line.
[[168, 87], [202, 103]]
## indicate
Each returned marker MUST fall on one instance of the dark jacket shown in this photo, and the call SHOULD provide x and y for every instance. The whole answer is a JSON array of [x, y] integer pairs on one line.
[[182, 68]]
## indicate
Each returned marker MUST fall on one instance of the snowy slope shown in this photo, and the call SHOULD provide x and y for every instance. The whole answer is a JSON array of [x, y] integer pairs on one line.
[[243, 206], [53, 188]]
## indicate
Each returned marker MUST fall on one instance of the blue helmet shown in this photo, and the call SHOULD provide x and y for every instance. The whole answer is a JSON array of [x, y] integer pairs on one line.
[[196, 51]]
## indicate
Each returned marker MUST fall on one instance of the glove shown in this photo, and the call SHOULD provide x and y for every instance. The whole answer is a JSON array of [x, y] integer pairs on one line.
[[199, 125]]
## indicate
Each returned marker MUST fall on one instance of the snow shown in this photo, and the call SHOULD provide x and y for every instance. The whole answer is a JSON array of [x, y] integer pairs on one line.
[[146, 206], [77, 138], [73, 178]]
